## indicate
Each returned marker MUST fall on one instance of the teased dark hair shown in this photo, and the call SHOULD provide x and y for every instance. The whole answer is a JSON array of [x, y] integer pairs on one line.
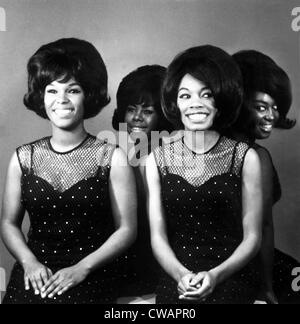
[[262, 74], [62, 60], [218, 71], [142, 87]]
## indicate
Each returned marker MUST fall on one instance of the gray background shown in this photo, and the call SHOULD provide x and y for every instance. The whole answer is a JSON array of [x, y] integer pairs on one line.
[[131, 33]]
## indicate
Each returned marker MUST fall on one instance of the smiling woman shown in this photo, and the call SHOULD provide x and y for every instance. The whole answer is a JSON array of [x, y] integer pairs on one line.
[[79, 191], [205, 212]]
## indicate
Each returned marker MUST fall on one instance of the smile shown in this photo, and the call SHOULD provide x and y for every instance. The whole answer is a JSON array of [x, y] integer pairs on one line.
[[197, 117], [63, 113], [138, 129], [267, 128]]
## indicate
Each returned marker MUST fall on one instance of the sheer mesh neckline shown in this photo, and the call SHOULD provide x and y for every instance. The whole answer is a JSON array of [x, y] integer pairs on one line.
[[90, 159], [69, 151], [226, 157], [203, 153]]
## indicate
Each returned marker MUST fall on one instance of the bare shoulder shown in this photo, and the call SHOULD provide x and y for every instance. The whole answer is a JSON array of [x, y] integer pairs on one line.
[[252, 162], [264, 156], [14, 165], [119, 158]]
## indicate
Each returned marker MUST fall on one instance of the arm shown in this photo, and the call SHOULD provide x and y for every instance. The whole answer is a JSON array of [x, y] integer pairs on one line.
[[123, 201], [11, 229], [252, 223], [267, 248], [159, 239]]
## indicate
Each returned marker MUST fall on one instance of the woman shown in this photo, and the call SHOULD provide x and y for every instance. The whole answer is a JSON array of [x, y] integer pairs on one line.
[[205, 197], [266, 104], [79, 192], [139, 107]]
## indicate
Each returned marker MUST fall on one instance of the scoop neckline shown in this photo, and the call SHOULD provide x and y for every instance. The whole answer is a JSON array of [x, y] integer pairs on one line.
[[70, 151], [206, 152]]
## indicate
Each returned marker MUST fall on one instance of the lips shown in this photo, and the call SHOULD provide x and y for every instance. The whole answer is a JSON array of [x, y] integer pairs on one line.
[[64, 113], [136, 129], [197, 117], [267, 127]]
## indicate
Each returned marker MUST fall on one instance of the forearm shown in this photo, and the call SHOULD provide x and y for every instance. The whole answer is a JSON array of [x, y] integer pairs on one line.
[[239, 259], [167, 259], [267, 256], [117, 243], [15, 242]]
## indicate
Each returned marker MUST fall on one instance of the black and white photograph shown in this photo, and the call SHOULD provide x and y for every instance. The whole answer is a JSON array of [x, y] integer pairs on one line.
[[149, 154]]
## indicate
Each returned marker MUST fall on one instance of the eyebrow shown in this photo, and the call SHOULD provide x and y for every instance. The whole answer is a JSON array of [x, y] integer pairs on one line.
[[205, 88], [70, 85]]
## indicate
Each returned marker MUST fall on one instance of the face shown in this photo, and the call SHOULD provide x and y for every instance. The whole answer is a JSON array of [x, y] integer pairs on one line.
[[196, 104], [64, 104], [264, 115], [140, 118]]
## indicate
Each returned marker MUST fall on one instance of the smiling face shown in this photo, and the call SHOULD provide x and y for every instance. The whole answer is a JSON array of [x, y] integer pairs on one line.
[[264, 114], [196, 104], [140, 118], [64, 103]]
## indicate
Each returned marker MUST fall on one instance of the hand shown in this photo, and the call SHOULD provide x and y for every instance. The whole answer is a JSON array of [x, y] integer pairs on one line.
[[184, 284], [204, 283], [268, 296], [63, 280], [37, 275]]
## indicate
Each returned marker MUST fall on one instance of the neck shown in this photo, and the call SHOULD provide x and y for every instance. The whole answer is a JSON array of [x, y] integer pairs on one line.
[[66, 139], [201, 141]]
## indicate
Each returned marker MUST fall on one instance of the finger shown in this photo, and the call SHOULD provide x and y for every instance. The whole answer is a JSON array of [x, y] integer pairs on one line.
[[56, 290], [50, 281], [186, 282], [26, 282], [62, 291], [188, 298], [199, 293], [39, 282], [196, 281], [34, 286], [49, 272], [44, 277]]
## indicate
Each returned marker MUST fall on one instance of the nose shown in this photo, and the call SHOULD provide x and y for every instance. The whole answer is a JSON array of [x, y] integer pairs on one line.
[[138, 115], [270, 114], [62, 98]]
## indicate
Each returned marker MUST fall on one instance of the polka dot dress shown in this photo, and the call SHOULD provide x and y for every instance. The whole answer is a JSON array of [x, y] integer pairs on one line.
[[67, 198], [203, 207]]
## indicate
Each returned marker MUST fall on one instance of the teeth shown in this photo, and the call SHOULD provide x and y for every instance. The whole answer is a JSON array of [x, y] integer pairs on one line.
[[137, 129], [64, 112], [197, 117], [267, 128]]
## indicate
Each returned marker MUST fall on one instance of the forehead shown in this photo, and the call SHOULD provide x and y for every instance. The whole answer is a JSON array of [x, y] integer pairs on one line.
[[264, 97], [64, 83], [191, 83]]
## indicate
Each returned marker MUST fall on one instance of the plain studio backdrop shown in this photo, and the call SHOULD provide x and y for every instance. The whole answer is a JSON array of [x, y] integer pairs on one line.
[[131, 33]]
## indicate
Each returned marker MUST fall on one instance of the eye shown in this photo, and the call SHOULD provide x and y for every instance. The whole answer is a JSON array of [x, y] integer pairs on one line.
[[75, 91], [51, 91], [148, 112], [207, 94], [184, 96], [260, 108], [130, 109]]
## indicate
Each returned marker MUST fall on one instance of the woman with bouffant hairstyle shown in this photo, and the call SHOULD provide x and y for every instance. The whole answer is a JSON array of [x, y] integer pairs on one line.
[[205, 199], [267, 101], [79, 192]]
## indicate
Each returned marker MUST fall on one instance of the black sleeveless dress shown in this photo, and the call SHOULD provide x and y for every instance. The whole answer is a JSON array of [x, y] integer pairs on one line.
[[202, 199], [283, 263], [67, 198]]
